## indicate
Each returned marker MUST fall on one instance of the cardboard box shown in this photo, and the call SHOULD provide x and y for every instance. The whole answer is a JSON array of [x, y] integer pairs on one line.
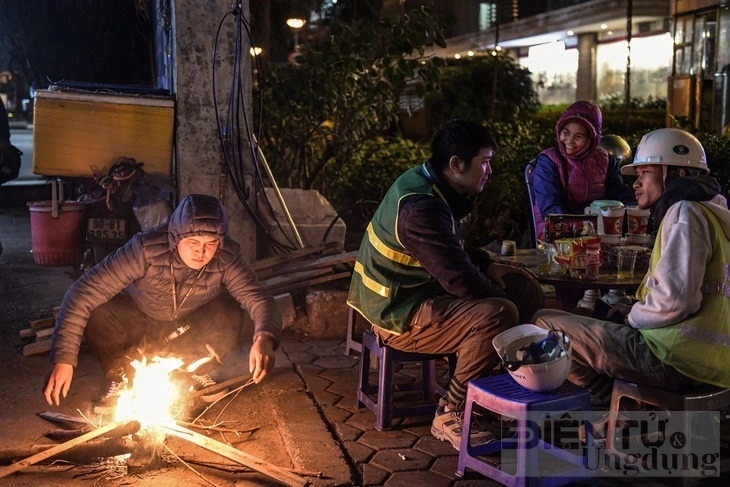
[[78, 134]]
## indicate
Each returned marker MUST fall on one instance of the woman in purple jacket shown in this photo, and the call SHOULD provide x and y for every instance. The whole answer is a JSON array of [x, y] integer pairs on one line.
[[577, 171]]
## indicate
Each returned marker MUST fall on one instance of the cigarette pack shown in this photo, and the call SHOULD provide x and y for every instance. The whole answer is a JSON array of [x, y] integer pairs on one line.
[[569, 226]]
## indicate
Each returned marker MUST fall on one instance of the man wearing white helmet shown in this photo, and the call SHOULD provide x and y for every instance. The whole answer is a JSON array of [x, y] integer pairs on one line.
[[677, 332]]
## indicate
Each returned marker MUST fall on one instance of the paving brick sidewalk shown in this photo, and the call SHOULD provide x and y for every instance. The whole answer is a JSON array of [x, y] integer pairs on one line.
[[407, 455]]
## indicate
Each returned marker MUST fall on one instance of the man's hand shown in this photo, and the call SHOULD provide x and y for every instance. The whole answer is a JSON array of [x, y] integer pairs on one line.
[[495, 272], [58, 383], [261, 358], [618, 311]]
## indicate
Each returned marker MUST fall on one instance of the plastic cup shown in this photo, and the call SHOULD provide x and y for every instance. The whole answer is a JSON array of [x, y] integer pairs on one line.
[[509, 247], [638, 220], [613, 220], [625, 263]]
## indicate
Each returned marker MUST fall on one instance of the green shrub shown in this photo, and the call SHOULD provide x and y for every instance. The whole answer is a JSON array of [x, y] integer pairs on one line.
[[519, 142], [717, 150], [362, 183], [617, 101], [468, 92]]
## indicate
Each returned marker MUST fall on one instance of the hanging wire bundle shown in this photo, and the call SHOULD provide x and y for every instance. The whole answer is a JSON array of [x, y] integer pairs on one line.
[[236, 132]]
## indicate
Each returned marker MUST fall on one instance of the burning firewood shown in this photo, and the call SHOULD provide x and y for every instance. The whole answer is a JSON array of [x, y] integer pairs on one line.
[[145, 416], [87, 453], [128, 429]]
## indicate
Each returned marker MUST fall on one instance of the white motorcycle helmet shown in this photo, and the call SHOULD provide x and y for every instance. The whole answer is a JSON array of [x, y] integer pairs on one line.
[[669, 147], [537, 359]]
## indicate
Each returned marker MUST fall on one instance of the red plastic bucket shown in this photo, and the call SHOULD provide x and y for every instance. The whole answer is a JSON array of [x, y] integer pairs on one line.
[[57, 240]]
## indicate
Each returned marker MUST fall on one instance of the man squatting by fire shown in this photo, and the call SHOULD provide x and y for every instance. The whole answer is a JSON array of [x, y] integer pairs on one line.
[[181, 289]]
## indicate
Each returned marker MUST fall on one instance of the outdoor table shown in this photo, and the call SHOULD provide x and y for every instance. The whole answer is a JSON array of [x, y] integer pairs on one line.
[[569, 289]]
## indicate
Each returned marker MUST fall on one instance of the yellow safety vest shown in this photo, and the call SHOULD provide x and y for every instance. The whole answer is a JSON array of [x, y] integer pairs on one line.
[[388, 282], [699, 346]]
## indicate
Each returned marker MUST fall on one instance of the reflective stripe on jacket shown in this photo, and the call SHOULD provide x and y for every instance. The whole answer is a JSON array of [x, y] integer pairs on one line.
[[388, 282]]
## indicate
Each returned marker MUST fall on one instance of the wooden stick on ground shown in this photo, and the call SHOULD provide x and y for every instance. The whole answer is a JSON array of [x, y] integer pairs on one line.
[[86, 453], [64, 420], [241, 379], [39, 457], [238, 456]]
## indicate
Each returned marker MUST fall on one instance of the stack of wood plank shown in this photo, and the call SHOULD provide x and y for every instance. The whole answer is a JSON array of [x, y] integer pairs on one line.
[[40, 331], [303, 268]]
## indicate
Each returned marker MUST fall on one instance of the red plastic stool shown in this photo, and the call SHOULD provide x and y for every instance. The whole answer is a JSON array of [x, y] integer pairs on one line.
[[384, 405], [501, 395]]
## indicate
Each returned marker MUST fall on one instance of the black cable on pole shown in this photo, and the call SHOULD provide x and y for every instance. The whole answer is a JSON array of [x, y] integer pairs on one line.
[[235, 133]]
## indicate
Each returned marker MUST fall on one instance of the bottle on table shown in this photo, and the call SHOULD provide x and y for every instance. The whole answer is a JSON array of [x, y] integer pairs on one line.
[[593, 262]]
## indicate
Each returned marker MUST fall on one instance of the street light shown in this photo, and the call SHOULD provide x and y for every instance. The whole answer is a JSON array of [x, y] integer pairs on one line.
[[296, 23]]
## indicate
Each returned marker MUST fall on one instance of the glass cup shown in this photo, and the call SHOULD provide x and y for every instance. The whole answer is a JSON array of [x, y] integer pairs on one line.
[[509, 247], [544, 258], [625, 263]]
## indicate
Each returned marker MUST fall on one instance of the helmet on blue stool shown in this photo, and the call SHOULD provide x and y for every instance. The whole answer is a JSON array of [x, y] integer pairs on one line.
[[537, 359]]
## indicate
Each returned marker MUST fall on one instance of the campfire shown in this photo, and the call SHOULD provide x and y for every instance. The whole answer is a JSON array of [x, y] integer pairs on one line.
[[149, 410], [153, 395]]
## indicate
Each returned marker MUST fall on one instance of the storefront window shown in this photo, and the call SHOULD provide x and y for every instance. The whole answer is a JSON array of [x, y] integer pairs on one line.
[[553, 69], [683, 46], [651, 58]]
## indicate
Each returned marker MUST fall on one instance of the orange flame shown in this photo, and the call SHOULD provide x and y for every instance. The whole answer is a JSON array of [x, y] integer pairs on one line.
[[151, 398]]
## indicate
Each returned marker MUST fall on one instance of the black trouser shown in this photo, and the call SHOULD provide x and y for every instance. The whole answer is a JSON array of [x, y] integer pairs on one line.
[[118, 332]]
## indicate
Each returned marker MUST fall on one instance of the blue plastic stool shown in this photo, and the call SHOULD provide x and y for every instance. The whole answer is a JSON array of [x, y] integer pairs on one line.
[[501, 395], [384, 405]]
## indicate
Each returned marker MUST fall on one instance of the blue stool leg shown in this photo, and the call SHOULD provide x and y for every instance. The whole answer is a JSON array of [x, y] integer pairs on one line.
[[385, 391], [363, 380], [464, 453], [428, 379]]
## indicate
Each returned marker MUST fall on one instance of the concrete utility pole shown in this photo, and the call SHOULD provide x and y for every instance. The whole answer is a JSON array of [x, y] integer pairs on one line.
[[198, 147]]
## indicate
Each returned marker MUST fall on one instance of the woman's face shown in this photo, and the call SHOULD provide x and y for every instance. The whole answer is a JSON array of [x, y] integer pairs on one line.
[[573, 138], [196, 252]]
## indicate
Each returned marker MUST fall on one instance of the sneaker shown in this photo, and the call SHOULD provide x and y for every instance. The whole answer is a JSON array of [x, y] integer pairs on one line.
[[201, 382], [447, 425], [108, 403]]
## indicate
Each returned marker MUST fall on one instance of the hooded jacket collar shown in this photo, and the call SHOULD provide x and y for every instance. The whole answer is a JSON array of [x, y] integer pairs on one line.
[[688, 188], [460, 204]]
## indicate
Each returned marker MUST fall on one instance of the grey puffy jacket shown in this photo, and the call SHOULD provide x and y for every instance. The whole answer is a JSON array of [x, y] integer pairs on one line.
[[141, 269]]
